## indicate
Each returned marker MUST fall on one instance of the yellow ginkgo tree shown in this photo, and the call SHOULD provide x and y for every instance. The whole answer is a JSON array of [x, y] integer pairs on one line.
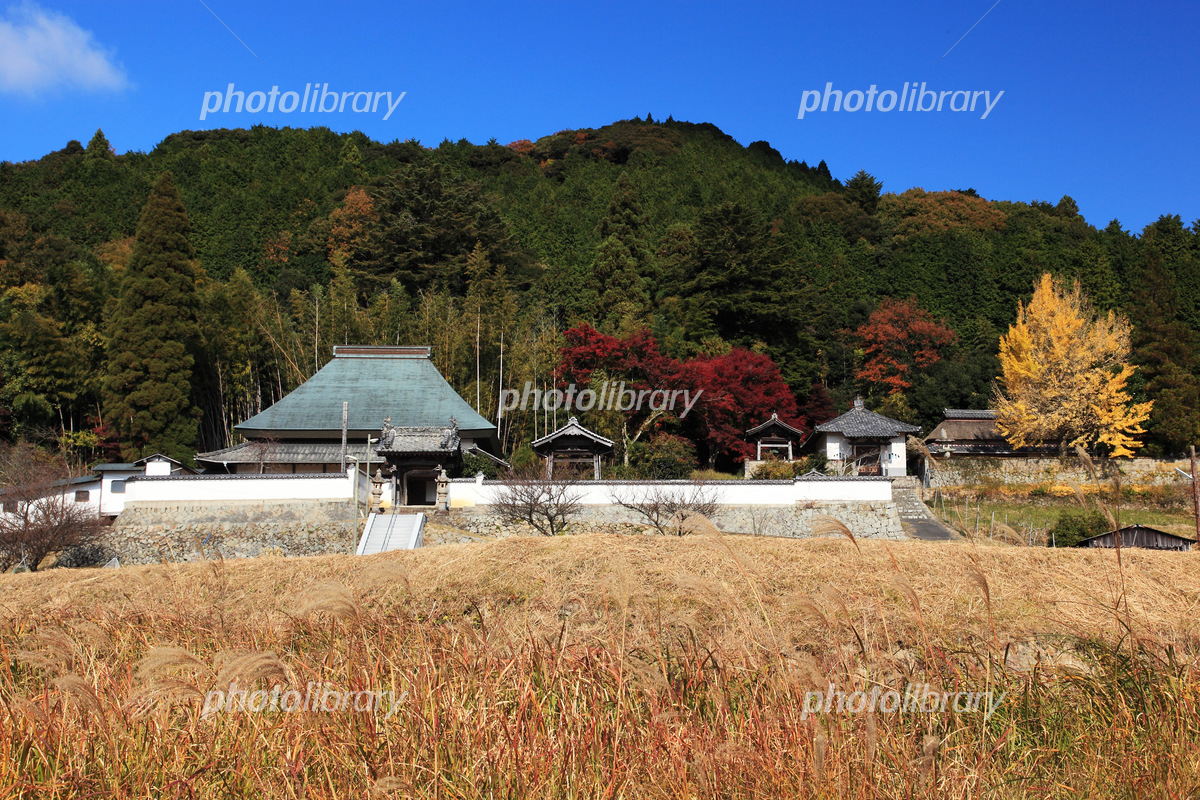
[[1064, 370]]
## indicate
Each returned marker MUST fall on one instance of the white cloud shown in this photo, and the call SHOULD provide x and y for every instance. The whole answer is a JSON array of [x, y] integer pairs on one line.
[[42, 49]]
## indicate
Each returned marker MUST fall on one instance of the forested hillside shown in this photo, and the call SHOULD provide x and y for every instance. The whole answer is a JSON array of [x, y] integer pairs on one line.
[[297, 240]]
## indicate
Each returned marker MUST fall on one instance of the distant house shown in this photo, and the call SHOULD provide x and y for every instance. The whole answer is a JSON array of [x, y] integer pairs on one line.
[[1139, 536], [862, 442], [103, 491], [973, 432], [394, 396]]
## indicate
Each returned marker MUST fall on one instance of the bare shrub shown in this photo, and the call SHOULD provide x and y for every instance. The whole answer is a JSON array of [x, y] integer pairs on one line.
[[765, 520], [40, 515], [545, 504], [666, 507]]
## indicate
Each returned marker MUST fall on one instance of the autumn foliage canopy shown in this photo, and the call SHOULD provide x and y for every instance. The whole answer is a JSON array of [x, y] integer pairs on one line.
[[899, 337], [1064, 374], [736, 390]]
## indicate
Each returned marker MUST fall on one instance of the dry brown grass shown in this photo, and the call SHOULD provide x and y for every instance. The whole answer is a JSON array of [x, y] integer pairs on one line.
[[1034, 590], [599, 666]]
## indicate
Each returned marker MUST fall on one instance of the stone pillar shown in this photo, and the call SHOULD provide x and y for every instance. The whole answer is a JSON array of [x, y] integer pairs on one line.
[[376, 491], [443, 492]]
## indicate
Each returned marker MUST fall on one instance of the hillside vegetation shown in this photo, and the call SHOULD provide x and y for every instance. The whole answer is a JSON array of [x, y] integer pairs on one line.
[[304, 239], [609, 666]]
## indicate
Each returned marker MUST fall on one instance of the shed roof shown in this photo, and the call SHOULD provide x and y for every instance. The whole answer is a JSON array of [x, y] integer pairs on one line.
[[1128, 529], [377, 382]]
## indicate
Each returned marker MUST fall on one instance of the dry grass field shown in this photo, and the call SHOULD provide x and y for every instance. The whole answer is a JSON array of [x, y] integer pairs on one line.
[[609, 667]]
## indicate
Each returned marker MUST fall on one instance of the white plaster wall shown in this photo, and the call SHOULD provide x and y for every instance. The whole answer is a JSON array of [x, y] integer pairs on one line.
[[833, 446], [113, 503], [92, 504], [218, 488], [467, 493], [848, 490], [897, 464]]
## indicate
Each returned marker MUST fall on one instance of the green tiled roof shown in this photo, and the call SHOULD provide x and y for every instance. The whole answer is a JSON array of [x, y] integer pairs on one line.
[[378, 382]]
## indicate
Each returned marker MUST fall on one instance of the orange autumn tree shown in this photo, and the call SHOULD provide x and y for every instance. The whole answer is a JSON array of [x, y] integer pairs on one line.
[[350, 226], [898, 338], [1064, 370]]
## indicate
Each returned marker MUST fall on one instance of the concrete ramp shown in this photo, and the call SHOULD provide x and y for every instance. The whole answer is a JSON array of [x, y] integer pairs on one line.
[[391, 532], [916, 517]]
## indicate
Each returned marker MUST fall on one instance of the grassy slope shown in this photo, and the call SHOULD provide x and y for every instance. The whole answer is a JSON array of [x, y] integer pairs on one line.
[[607, 666]]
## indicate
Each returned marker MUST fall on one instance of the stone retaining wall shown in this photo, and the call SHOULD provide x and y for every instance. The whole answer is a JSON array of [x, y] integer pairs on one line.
[[148, 534], [964, 471], [865, 520]]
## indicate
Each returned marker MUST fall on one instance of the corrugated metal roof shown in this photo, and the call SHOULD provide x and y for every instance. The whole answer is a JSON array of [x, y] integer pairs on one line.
[[1136, 536], [377, 382], [858, 423]]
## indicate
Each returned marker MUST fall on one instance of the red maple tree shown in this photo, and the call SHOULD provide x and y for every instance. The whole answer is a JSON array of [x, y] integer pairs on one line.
[[731, 392], [740, 389], [898, 338]]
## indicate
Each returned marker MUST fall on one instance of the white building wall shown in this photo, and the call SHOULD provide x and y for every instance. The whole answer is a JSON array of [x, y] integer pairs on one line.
[[896, 465], [112, 502], [220, 488], [834, 447], [466, 492]]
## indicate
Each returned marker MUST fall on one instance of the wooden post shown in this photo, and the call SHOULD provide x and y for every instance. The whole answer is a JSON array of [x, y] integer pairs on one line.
[[596, 465], [1195, 491]]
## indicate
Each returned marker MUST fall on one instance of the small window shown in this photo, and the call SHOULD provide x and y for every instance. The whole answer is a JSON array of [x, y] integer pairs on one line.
[[10, 506], [82, 496], [118, 487]]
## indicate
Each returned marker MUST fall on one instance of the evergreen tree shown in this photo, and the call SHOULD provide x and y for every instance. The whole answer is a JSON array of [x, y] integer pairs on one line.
[[622, 262], [153, 334], [1168, 354], [623, 296], [98, 148], [864, 190], [351, 164]]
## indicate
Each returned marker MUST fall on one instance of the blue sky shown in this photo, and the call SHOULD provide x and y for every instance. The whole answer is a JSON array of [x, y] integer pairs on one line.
[[1100, 99]]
